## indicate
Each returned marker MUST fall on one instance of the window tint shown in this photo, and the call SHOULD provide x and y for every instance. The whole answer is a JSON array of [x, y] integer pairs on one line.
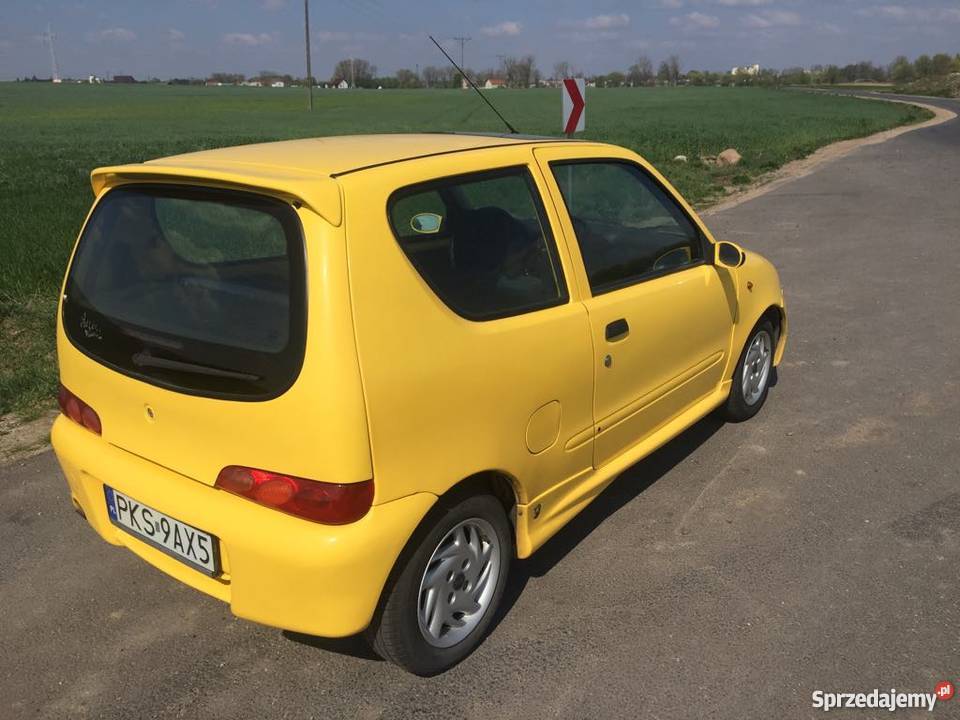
[[481, 242], [200, 290], [626, 224]]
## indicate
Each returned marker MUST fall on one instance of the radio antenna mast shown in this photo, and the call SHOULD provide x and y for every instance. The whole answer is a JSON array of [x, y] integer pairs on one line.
[[47, 37], [473, 85]]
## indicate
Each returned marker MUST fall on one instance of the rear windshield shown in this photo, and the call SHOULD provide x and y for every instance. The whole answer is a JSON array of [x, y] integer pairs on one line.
[[199, 290]]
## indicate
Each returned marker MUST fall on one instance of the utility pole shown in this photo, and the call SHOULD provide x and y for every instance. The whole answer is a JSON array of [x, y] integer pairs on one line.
[[353, 75], [463, 40], [306, 33]]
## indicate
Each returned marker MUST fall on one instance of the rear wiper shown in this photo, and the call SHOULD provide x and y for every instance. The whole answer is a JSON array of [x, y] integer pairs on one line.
[[141, 359]]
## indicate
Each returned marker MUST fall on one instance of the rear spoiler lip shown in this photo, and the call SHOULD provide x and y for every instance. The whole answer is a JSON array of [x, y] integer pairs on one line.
[[320, 193]]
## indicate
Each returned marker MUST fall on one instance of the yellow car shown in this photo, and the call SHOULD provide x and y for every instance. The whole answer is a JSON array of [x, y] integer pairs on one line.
[[342, 383]]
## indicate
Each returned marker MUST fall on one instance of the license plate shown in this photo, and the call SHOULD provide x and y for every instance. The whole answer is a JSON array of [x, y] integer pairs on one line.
[[180, 541]]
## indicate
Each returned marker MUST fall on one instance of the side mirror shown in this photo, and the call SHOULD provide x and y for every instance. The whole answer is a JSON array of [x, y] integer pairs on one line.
[[729, 255]]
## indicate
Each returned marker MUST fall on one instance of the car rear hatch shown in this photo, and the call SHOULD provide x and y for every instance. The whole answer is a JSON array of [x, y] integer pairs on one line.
[[188, 324]]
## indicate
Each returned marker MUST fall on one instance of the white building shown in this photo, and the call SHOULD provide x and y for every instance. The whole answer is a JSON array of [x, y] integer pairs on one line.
[[342, 85], [278, 83], [746, 70]]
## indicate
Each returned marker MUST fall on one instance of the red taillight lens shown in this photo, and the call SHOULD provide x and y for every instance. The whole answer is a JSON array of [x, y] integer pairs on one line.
[[78, 411], [328, 503]]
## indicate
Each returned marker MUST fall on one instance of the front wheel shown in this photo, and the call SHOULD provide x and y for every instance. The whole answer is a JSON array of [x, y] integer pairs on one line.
[[441, 603], [751, 379]]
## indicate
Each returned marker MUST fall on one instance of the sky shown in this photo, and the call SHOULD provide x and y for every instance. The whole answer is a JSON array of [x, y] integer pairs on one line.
[[183, 38]]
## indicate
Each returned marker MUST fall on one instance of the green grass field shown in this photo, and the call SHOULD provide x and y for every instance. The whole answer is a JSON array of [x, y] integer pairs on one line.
[[52, 136]]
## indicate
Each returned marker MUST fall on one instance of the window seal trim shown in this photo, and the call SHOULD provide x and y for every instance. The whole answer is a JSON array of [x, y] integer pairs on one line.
[[520, 170], [705, 244]]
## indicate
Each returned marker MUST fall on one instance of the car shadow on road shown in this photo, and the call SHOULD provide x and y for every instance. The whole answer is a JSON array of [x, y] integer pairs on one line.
[[628, 485]]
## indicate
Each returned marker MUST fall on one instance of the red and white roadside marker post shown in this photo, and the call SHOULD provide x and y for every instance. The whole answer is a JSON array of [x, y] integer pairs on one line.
[[574, 92]]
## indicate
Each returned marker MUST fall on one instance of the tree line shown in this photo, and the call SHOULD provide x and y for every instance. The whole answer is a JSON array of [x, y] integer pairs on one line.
[[522, 72]]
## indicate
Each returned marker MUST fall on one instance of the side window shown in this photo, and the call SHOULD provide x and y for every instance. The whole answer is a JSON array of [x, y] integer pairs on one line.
[[627, 226], [481, 242]]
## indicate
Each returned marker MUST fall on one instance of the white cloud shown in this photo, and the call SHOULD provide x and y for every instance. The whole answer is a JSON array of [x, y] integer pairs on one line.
[[696, 21], [604, 22], [247, 39], [772, 18], [507, 27], [116, 34], [334, 36], [899, 13], [174, 35]]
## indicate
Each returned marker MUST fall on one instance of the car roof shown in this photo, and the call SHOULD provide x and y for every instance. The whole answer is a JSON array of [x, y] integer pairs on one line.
[[303, 170], [338, 155]]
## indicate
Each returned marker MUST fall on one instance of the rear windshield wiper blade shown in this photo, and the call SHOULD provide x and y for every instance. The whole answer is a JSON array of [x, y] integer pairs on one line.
[[146, 360]]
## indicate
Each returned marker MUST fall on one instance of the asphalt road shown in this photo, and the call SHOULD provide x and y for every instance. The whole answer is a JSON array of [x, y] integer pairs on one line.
[[729, 575]]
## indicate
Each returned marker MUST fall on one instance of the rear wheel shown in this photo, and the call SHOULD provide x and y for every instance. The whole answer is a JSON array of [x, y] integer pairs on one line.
[[441, 603], [751, 379]]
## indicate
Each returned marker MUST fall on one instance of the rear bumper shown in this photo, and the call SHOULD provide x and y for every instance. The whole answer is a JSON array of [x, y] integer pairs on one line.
[[277, 570]]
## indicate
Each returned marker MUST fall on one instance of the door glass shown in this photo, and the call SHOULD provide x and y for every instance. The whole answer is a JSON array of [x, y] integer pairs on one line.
[[627, 226]]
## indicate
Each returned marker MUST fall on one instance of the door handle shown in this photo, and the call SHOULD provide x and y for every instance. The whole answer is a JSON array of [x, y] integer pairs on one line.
[[617, 330]]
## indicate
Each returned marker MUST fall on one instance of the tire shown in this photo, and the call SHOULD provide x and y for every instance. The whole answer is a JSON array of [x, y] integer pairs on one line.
[[751, 379], [474, 531]]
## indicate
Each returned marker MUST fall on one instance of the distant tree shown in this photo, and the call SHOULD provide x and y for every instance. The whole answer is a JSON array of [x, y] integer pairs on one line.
[[615, 79], [561, 70], [673, 65], [956, 64], [227, 78], [442, 77], [923, 66], [941, 64], [387, 82], [407, 79], [520, 72], [795, 76], [641, 72], [901, 70], [663, 72], [356, 71], [830, 75]]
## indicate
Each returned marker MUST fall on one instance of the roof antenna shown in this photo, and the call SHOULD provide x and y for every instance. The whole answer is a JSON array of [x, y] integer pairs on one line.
[[474, 86]]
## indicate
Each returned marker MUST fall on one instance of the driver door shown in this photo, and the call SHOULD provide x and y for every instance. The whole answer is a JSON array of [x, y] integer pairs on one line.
[[659, 315]]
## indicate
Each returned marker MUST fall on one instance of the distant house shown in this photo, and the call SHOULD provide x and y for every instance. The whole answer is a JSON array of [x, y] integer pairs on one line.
[[342, 85], [123, 79], [494, 83], [213, 83], [252, 83], [278, 83]]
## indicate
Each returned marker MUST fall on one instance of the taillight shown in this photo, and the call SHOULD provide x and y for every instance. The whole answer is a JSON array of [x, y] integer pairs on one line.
[[328, 503], [78, 411]]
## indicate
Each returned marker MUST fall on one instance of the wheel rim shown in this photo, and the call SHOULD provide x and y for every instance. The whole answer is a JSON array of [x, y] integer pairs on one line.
[[459, 582], [756, 367]]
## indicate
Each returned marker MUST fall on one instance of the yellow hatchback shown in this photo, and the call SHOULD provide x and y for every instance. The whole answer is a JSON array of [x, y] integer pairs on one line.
[[342, 383]]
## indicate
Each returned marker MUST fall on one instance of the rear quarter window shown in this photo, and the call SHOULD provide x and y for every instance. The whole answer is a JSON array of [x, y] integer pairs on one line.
[[481, 242]]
